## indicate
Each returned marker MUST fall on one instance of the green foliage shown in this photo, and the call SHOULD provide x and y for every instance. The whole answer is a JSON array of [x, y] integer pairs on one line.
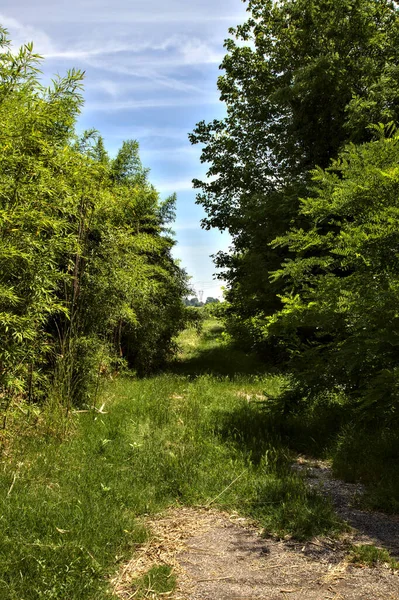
[[211, 300], [74, 510], [339, 319], [213, 353], [213, 309], [86, 272], [158, 580], [370, 454], [193, 302], [195, 318], [301, 79], [310, 201]]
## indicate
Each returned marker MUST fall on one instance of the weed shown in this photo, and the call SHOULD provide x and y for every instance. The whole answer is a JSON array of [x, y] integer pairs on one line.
[[367, 554], [370, 455], [211, 352]]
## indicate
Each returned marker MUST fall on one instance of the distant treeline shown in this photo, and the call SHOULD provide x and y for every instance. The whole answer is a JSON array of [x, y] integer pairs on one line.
[[195, 302], [87, 280]]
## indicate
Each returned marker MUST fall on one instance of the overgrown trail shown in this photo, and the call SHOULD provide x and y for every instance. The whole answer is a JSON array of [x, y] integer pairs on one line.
[[164, 493], [219, 554]]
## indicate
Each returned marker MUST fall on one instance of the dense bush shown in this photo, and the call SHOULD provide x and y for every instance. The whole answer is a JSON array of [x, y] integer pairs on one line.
[[86, 273], [300, 80], [312, 285], [344, 282]]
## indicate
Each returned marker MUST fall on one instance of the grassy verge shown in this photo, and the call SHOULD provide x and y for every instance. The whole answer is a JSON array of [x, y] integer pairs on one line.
[[196, 435], [370, 454], [329, 427]]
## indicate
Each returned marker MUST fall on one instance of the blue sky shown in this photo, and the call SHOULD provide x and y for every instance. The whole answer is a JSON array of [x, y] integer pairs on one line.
[[151, 71]]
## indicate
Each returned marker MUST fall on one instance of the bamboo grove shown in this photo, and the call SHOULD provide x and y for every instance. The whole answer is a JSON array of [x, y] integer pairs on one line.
[[87, 281]]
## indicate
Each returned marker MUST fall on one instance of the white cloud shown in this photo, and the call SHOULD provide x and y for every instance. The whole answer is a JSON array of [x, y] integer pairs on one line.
[[186, 225], [147, 103], [172, 133], [112, 88], [181, 185], [127, 11], [172, 51], [132, 85], [196, 51], [193, 251], [141, 71], [21, 34], [172, 152], [148, 61], [110, 47]]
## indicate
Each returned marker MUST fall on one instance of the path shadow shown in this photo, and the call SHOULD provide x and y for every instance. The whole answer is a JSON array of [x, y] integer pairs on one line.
[[221, 362], [254, 429], [250, 429], [371, 526]]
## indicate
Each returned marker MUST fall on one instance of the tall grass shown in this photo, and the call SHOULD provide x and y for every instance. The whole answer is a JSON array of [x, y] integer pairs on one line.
[[70, 510], [371, 455]]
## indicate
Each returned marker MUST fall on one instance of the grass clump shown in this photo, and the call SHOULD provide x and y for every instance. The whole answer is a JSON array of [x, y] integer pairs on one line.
[[66, 520], [158, 581], [325, 426], [371, 556], [212, 353]]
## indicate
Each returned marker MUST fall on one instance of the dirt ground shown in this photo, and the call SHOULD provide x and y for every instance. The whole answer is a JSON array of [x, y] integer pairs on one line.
[[217, 556], [369, 527]]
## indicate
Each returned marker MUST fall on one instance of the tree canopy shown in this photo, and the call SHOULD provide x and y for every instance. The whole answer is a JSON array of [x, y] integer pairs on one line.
[[300, 80], [307, 193], [344, 280]]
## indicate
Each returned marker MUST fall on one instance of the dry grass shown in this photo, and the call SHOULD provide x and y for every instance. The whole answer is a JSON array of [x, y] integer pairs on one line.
[[169, 532]]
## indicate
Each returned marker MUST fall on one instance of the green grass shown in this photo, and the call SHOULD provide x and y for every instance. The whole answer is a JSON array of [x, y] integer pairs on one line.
[[70, 509], [212, 353], [159, 580], [371, 556], [370, 454]]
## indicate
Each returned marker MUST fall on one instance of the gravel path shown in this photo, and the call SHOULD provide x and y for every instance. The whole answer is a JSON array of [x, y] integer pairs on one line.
[[370, 527], [220, 556]]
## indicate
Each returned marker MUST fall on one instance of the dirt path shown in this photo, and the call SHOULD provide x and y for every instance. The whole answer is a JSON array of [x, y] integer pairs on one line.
[[370, 527], [222, 557]]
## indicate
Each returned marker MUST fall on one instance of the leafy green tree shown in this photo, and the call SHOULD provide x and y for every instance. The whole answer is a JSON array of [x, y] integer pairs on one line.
[[35, 208], [193, 302], [301, 78], [211, 300]]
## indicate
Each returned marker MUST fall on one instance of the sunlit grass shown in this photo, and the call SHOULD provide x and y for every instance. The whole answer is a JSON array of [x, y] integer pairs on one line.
[[158, 580], [371, 556], [69, 509]]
